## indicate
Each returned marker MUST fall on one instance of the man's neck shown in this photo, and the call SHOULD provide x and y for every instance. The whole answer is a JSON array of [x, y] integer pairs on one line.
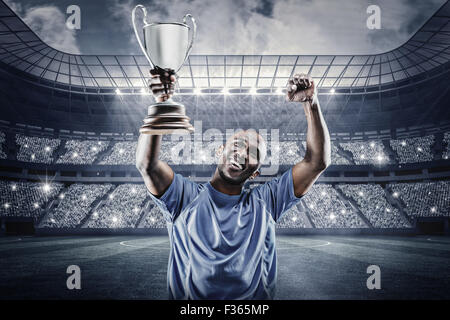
[[223, 186]]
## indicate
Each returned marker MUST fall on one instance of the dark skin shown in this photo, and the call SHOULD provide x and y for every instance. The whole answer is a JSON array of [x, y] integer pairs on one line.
[[241, 156]]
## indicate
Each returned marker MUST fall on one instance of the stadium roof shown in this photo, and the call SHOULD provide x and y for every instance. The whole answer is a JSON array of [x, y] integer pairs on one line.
[[22, 49]]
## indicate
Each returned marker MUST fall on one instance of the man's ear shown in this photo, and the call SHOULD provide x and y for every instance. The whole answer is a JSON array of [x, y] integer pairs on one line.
[[254, 175]]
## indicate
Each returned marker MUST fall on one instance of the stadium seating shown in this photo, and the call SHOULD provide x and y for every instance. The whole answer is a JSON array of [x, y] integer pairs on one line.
[[293, 218], [3, 154], [446, 142], [74, 205], [367, 152], [82, 151], [121, 209], [122, 153], [328, 210], [412, 150], [372, 202], [26, 199], [423, 199], [153, 219], [36, 149]]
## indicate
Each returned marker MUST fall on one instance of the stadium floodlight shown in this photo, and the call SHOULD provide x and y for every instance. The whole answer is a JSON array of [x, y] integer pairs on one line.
[[95, 214], [362, 156], [395, 194], [343, 211], [403, 143], [144, 91], [332, 216], [388, 210], [279, 91], [332, 91], [253, 91], [6, 205], [360, 194], [111, 196], [114, 219], [83, 197], [226, 91], [33, 156], [61, 196], [52, 220], [74, 155], [133, 190], [136, 209], [36, 205], [94, 149], [118, 91], [121, 151], [46, 187], [372, 145], [380, 158], [433, 209], [13, 187], [198, 91], [419, 149], [99, 143], [294, 218], [47, 148]]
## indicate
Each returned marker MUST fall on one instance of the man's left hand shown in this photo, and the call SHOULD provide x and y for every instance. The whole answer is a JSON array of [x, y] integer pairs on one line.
[[301, 88]]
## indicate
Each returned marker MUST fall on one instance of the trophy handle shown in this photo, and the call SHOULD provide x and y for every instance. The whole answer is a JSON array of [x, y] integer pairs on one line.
[[193, 34], [133, 15]]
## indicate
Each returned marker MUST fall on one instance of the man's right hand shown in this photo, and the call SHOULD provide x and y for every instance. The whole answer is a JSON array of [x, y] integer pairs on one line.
[[156, 85]]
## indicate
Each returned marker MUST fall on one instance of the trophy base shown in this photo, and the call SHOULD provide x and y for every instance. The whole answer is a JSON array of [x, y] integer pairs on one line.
[[165, 118]]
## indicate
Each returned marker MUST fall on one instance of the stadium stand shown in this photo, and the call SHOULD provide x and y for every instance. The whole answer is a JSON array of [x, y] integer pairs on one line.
[[328, 210], [423, 199], [446, 142], [74, 205], [3, 154], [367, 152], [373, 204], [121, 209], [153, 219], [122, 153], [411, 150], [294, 218], [26, 199], [82, 151], [36, 149]]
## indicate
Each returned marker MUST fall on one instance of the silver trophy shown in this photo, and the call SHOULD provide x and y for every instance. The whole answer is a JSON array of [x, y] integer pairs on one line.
[[166, 47]]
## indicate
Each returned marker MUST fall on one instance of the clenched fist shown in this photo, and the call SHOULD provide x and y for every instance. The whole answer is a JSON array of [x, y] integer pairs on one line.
[[301, 88], [162, 84]]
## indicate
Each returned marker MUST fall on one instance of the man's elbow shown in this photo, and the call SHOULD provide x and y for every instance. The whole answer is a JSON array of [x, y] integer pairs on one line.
[[144, 167], [321, 164]]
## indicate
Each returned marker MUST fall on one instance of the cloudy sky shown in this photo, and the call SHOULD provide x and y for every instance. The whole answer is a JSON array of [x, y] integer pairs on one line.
[[233, 26]]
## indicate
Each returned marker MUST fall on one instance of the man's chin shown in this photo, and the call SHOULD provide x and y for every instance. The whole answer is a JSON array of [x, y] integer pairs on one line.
[[229, 178]]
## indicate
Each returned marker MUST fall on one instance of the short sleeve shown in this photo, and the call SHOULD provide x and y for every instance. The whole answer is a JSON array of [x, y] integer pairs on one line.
[[278, 194], [179, 194]]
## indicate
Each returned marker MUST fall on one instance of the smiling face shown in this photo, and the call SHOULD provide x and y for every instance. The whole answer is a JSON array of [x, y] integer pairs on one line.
[[241, 157]]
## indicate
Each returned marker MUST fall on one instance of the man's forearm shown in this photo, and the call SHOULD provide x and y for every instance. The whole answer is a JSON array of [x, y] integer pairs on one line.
[[318, 147], [147, 151]]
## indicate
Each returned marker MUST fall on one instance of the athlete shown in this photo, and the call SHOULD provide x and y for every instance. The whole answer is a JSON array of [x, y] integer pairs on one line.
[[223, 238]]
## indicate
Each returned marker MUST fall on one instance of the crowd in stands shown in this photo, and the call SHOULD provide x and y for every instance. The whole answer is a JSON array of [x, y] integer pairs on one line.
[[367, 152], [372, 202], [121, 209], [328, 210], [423, 199], [293, 218], [127, 205], [446, 143], [42, 150], [26, 199], [36, 149], [153, 219], [74, 205], [3, 154], [82, 151], [410, 150], [122, 153]]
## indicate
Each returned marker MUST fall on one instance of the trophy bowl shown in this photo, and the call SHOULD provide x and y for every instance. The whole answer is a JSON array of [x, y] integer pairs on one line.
[[166, 46]]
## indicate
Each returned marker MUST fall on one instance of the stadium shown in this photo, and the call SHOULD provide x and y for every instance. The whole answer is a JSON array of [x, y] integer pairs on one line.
[[71, 194]]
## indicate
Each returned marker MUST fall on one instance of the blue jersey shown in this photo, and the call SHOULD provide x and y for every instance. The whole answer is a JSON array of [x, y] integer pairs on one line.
[[223, 246]]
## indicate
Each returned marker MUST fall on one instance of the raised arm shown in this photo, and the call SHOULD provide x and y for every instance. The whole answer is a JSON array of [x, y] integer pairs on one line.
[[157, 174], [317, 157]]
